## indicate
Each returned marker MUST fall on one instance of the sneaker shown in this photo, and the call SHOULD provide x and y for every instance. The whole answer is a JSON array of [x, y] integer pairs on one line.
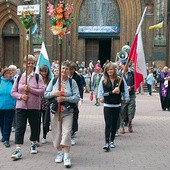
[[13, 129], [44, 141], [73, 142], [67, 162], [112, 145], [37, 144], [73, 135], [59, 157], [117, 134], [33, 148], [17, 154], [106, 147], [122, 130], [6, 144], [97, 104]]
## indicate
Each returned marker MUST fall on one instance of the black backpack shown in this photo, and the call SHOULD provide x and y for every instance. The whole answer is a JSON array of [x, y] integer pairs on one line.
[[53, 103]]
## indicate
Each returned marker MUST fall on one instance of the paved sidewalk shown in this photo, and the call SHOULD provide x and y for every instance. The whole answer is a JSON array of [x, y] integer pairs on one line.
[[148, 148]]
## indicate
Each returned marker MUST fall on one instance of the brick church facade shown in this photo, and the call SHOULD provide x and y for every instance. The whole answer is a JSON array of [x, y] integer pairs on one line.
[[91, 37]]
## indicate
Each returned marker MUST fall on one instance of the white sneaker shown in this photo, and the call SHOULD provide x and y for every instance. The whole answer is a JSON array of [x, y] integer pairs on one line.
[[112, 145], [59, 157], [67, 162], [116, 134], [17, 154], [13, 129], [73, 142], [44, 141], [33, 148]]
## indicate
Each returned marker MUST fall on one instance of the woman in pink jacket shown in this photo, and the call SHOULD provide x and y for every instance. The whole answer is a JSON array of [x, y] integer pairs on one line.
[[28, 106]]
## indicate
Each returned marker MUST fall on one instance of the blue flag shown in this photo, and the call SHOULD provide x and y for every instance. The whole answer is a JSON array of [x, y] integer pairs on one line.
[[43, 60], [34, 28]]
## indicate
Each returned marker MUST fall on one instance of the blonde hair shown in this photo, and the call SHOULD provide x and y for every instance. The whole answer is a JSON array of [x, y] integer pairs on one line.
[[30, 58], [106, 76]]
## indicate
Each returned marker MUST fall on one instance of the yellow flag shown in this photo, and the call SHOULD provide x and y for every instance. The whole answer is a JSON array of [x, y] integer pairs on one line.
[[159, 25]]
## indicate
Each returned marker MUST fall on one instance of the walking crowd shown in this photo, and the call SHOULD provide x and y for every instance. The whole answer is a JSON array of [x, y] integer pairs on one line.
[[53, 102]]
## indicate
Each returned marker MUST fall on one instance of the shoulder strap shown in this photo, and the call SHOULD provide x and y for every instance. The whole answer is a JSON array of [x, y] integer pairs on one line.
[[37, 77], [19, 77], [70, 81], [55, 80]]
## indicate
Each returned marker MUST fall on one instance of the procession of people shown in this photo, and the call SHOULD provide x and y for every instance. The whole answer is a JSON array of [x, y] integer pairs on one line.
[[54, 103]]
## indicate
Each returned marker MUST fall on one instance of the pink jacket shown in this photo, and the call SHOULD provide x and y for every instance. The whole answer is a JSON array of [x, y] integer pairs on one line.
[[34, 96]]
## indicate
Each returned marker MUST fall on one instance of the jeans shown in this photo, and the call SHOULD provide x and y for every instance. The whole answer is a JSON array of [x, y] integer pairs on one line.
[[6, 119]]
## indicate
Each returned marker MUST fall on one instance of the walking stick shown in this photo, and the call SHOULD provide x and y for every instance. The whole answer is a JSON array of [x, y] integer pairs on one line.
[[27, 48], [59, 78]]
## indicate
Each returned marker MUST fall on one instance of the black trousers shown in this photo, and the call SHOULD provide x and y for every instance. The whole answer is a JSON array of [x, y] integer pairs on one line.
[[45, 115], [33, 117], [111, 115], [75, 120], [165, 102]]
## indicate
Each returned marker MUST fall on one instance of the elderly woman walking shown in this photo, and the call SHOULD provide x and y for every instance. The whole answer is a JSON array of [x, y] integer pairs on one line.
[[28, 106], [7, 105], [61, 124]]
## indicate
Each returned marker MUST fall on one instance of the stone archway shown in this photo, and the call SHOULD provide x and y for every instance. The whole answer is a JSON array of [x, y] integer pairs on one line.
[[8, 14], [130, 14]]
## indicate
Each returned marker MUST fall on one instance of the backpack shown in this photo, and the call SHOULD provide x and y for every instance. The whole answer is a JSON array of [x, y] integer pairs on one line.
[[53, 103], [36, 77]]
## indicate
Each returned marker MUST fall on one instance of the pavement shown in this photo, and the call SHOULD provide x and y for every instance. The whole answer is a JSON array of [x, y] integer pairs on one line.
[[148, 148]]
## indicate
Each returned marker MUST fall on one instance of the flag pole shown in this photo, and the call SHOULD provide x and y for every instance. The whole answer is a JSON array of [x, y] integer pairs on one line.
[[128, 59]]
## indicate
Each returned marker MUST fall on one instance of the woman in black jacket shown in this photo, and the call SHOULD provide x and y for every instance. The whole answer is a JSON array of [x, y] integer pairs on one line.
[[109, 93]]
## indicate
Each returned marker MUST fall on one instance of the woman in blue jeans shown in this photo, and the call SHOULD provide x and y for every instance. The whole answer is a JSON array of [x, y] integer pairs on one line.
[[109, 93], [7, 105]]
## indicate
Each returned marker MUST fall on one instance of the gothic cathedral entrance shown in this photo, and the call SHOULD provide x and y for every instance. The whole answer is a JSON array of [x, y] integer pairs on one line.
[[10, 44], [98, 28]]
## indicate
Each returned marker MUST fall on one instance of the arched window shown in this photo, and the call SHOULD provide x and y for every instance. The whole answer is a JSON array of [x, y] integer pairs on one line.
[[10, 29], [102, 16]]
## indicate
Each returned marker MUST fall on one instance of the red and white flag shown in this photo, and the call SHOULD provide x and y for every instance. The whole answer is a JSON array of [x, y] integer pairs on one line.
[[137, 55]]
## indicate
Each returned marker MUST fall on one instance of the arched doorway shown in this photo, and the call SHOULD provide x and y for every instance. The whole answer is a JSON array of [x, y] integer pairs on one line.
[[10, 38], [98, 28]]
